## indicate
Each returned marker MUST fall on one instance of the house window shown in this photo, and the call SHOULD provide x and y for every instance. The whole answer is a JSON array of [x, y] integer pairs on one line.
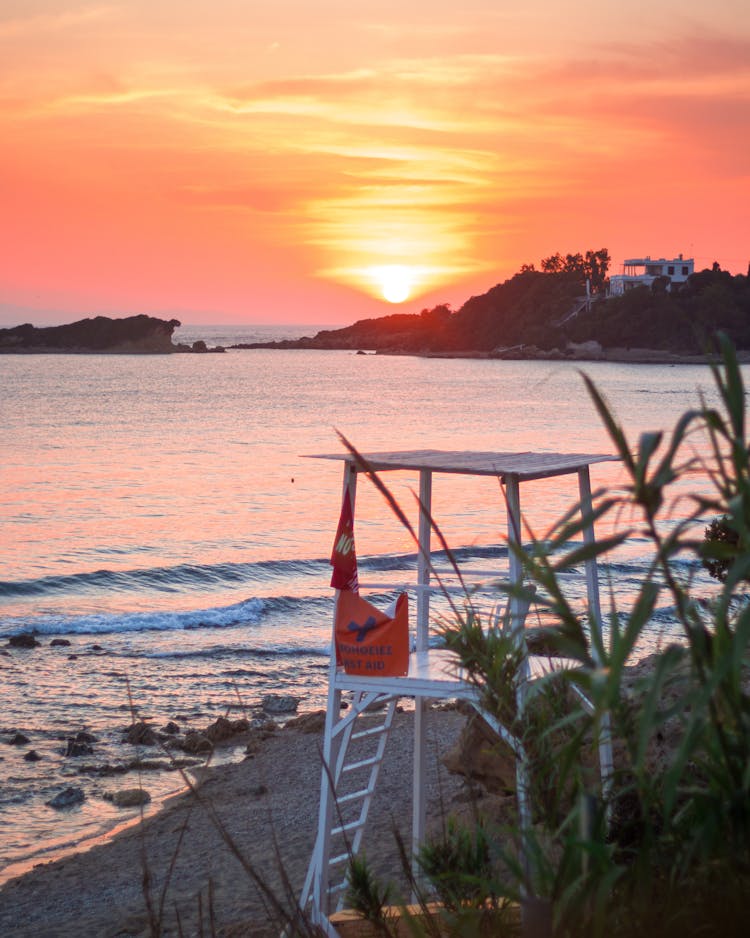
[[670, 270], [684, 270]]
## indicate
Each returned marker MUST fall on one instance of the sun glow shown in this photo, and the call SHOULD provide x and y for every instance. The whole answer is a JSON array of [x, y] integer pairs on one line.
[[398, 283], [395, 281]]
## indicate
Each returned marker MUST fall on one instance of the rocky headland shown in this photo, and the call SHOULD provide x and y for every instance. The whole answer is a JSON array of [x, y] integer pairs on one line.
[[132, 335], [551, 315]]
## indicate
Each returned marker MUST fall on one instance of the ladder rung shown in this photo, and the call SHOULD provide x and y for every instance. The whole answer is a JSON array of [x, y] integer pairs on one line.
[[339, 887], [354, 795], [351, 826], [339, 859], [362, 764], [373, 731]]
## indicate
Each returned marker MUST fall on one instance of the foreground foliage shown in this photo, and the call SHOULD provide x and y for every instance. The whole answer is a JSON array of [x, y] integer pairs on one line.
[[665, 849]]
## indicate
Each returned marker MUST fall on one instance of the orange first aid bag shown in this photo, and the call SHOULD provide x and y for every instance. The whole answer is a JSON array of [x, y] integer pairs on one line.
[[369, 642]]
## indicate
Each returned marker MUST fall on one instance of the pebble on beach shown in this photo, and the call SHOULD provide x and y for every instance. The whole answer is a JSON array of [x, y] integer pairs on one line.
[[312, 722], [128, 797]]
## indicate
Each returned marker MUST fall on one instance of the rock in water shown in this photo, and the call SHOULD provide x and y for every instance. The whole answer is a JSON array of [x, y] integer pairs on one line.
[[140, 734], [223, 729], [76, 748], [24, 640], [197, 742], [67, 798], [280, 703], [84, 737]]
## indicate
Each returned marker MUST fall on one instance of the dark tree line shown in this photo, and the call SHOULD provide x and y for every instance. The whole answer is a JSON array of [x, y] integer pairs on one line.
[[592, 266]]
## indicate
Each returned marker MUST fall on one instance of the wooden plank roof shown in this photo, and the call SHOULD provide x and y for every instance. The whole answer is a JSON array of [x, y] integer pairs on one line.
[[470, 462]]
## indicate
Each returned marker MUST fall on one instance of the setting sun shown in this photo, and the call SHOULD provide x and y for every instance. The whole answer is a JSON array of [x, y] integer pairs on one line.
[[396, 282]]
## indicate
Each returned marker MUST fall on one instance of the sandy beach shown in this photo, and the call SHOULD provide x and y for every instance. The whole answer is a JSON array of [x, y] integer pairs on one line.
[[268, 806]]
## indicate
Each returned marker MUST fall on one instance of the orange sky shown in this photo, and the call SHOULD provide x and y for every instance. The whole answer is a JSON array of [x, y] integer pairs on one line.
[[237, 160]]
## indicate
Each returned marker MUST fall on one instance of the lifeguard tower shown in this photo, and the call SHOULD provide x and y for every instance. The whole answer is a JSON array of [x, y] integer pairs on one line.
[[352, 756]]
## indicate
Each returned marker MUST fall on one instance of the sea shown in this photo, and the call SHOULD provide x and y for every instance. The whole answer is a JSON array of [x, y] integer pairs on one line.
[[163, 523]]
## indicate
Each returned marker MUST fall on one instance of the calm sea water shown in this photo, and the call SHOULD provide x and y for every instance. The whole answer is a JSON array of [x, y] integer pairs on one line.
[[160, 515]]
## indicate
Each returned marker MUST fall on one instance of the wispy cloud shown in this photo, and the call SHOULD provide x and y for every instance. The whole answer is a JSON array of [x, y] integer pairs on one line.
[[21, 19]]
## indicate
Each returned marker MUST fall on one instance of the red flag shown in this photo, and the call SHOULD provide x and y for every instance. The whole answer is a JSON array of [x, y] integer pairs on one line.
[[344, 557]]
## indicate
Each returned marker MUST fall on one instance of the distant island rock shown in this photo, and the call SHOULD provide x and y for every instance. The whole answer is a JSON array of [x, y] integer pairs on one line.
[[132, 335]]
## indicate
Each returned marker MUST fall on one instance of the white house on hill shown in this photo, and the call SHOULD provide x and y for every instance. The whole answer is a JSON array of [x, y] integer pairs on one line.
[[642, 271]]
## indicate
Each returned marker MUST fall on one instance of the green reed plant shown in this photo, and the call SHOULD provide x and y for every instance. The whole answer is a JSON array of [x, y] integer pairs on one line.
[[665, 848], [366, 895], [675, 855], [458, 864]]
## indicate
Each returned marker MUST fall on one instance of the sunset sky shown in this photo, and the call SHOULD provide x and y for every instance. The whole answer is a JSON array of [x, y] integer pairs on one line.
[[293, 160]]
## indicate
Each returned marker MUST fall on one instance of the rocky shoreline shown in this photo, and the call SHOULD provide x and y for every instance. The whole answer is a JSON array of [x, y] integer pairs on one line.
[[82, 775], [147, 335], [593, 351], [259, 814], [583, 352]]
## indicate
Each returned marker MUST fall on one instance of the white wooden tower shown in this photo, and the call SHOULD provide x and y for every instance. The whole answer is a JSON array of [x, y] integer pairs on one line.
[[352, 756]]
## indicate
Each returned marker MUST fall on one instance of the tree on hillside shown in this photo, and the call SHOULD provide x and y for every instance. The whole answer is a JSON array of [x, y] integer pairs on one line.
[[438, 316], [592, 267], [554, 264], [597, 267]]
